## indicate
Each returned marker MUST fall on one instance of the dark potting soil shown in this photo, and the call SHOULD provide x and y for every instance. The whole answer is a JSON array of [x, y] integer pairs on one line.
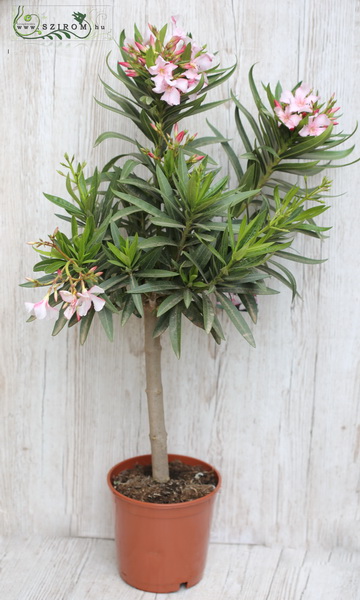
[[187, 482]]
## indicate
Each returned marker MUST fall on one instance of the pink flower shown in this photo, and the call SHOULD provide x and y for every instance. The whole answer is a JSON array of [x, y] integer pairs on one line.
[[192, 72], [171, 90], [80, 302], [287, 117], [162, 70], [315, 126], [203, 61], [198, 66], [71, 300], [176, 31], [42, 309], [88, 297], [302, 101]]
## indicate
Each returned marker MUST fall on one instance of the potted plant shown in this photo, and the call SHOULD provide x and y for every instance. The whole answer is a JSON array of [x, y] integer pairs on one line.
[[159, 234]]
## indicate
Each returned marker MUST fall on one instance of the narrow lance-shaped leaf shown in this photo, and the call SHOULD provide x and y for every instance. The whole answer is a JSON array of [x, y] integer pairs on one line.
[[105, 316], [298, 258], [175, 330], [236, 317], [136, 298], [128, 310], [208, 313], [59, 323], [85, 325], [169, 302], [162, 324], [250, 305]]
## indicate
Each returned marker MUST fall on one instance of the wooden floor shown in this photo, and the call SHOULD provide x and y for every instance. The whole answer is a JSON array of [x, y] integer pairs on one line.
[[85, 569]]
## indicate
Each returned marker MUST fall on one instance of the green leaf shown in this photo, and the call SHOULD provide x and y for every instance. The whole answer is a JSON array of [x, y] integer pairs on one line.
[[156, 273], [70, 208], [170, 302], [123, 258], [128, 310], [134, 287], [146, 127], [182, 170], [115, 281], [187, 296], [328, 154], [105, 316], [300, 259], [217, 331], [251, 121], [166, 192], [162, 324], [49, 266], [165, 221], [230, 153], [125, 212], [251, 306], [113, 134], [214, 252], [236, 318], [59, 323], [296, 168], [158, 286], [156, 241], [128, 169], [208, 313], [85, 325], [175, 330], [149, 208]]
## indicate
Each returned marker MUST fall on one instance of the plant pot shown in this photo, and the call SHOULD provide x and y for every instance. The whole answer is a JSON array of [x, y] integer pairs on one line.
[[161, 546]]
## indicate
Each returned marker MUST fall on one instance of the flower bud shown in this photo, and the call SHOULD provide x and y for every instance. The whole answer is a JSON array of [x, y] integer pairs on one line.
[[180, 136], [180, 50], [141, 47]]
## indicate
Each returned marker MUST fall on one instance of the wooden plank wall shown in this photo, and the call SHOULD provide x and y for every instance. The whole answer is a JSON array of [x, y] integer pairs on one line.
[[282, 421]]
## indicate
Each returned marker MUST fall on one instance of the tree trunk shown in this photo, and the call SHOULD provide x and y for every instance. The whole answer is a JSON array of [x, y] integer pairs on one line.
[[154, 392]]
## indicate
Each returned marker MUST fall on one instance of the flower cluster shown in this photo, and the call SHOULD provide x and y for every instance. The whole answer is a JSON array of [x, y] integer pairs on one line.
[[174, 64], [301, 111], [78, 303], [71, 276]]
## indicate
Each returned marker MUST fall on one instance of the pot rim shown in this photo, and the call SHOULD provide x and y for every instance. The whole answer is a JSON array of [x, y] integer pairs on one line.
[[159, 506]]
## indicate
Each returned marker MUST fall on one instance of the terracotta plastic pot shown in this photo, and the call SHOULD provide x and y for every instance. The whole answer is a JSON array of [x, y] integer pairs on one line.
[[161, 546]]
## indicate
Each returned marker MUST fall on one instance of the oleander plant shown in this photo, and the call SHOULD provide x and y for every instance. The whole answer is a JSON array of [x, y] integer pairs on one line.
[[159, 233]]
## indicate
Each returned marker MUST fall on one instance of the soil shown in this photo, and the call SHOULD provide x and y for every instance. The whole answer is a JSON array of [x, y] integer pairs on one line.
[[187, 482]]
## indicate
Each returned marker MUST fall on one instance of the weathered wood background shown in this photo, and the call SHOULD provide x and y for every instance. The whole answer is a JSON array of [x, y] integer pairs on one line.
[[281, 422]]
